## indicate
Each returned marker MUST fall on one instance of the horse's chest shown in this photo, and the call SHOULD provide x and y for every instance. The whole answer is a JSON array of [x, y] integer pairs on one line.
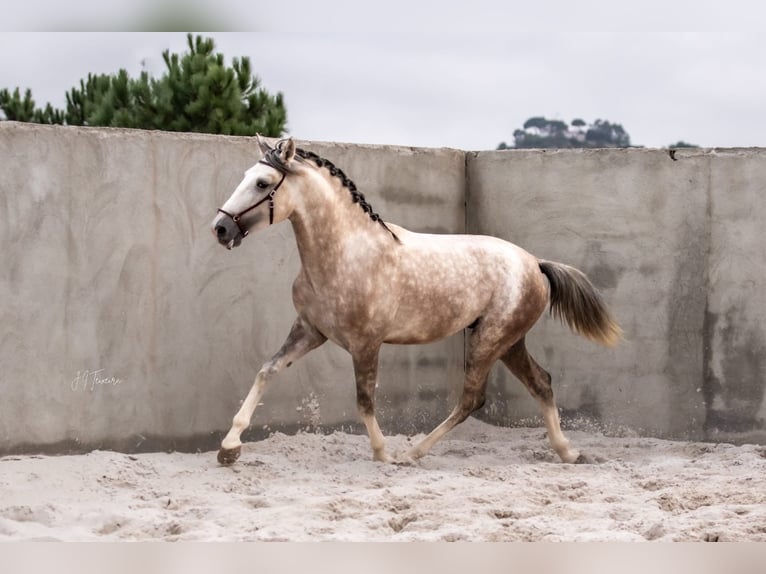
[[341, 310]]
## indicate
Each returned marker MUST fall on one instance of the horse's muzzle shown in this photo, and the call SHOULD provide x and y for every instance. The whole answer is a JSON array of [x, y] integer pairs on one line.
[[226, 231]]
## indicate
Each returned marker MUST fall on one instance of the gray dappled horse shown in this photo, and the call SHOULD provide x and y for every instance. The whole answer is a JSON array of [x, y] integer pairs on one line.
[[364, 282]]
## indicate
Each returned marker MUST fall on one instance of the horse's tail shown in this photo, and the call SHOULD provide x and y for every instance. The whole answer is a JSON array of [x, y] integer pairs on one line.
[[575, 300]]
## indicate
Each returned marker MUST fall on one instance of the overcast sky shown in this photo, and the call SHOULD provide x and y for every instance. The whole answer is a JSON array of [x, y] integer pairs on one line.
[[467, 91]]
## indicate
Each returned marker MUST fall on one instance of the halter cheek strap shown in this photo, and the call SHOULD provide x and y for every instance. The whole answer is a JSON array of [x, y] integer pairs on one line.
[[237, 217]]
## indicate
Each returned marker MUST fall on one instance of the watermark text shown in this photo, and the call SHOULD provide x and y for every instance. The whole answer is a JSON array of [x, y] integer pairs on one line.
[[91, 380]]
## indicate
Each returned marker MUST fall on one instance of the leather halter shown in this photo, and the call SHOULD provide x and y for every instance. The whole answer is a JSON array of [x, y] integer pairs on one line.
[[236, 217]]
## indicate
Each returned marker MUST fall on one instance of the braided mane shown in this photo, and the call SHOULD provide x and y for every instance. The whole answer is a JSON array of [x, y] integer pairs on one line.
[[273, 159]]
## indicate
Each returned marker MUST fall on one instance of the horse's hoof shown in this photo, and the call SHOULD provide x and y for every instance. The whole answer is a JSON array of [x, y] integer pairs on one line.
[[583, 459], [406, 459], [382, 457], [227, 456]]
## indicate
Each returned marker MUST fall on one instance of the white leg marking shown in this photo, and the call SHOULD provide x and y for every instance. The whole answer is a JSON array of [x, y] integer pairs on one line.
[[557, 439], [245, 414], [422, 448], [377, 442]]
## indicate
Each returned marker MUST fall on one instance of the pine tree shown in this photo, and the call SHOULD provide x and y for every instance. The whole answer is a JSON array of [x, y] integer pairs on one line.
[[198, 92], [23, 109]]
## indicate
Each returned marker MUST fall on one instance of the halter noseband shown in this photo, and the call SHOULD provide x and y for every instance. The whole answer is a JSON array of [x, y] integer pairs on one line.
[[236, 217]]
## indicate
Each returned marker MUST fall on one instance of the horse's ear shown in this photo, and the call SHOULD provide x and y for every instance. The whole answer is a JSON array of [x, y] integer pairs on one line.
[[265, 148], [287, 150]]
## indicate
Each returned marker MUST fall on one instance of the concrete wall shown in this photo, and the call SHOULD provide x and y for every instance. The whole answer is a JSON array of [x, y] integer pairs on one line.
[[108, 267], [734, 330]]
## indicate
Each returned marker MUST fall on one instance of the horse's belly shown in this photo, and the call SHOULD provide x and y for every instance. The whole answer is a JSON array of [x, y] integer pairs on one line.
[[420, 338], [430, 321]]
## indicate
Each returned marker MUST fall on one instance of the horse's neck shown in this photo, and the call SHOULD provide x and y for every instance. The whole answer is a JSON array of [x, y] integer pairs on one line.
[[326, 224]]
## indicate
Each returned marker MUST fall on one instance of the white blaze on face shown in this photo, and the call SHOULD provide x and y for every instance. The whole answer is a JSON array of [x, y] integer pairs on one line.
[[245, 193]]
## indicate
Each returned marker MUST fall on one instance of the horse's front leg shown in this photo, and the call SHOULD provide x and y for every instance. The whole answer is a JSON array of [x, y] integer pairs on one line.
[[303, 338], [366, 373]]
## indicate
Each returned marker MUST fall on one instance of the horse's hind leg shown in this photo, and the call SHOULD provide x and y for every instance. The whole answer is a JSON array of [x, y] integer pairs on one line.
[[482, 354], [538, 382], [303, 338]]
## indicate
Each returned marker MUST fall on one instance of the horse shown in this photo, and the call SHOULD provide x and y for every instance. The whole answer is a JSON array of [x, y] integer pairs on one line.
[[364, 282]]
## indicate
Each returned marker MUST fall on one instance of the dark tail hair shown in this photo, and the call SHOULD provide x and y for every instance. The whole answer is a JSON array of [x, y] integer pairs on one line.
[[576, 301]]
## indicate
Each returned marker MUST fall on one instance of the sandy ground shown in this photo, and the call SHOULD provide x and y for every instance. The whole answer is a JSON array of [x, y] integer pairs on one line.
[[482, 483]]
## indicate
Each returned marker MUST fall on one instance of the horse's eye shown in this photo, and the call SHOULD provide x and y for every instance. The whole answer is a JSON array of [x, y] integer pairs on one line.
[[262, 184]]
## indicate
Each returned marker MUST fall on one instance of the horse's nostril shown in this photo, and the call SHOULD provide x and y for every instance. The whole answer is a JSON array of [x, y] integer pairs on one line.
[[220, 231]]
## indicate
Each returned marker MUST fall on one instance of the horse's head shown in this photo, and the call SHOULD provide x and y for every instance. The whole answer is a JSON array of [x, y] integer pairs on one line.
[[260, 199]]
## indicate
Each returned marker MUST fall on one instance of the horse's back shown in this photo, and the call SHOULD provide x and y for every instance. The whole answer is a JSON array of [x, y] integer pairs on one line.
[[446, 282], [479, 250]]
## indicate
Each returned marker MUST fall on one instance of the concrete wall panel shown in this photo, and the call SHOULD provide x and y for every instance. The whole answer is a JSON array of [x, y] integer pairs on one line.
[[635, 222], [735, 328], [126, 326]]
